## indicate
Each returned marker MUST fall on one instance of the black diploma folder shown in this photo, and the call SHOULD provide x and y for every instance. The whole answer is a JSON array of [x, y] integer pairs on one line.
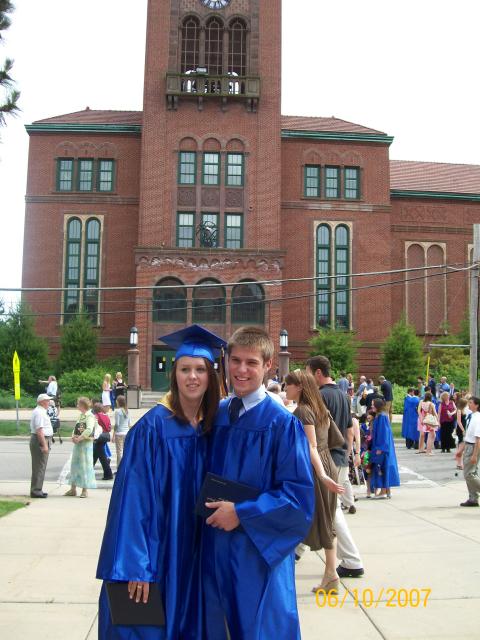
[[125, 611], [216, 488]]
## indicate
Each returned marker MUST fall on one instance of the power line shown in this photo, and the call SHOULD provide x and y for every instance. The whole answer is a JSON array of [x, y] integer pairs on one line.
[[273, 282], [148, 301]]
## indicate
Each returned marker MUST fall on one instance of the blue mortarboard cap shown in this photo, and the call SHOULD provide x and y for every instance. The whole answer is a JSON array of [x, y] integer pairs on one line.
[[195, 342]]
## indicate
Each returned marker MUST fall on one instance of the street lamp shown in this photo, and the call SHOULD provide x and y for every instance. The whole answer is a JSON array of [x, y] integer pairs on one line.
[[133, 337], [283, 356], [133, 389]]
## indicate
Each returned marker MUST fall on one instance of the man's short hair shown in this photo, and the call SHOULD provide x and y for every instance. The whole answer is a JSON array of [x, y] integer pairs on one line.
[[343, 374], [319, 362], [252, 338], [475, 400], [381, 378]]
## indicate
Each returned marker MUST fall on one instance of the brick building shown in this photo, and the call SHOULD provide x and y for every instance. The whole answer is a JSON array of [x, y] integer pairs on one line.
[[210, 185]]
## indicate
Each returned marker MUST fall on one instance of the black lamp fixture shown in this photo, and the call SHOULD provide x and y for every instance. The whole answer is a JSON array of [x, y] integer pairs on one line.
[[133, 337], [283, 340]]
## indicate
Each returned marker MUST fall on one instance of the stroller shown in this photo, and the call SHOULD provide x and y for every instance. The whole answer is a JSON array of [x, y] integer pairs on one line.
[[52, 413]]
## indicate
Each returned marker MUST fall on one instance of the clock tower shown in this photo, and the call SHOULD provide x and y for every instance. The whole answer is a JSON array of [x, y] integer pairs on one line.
[[211, 169]]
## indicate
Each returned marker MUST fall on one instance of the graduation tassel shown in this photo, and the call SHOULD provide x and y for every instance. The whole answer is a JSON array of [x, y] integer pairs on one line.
[[223, 375]]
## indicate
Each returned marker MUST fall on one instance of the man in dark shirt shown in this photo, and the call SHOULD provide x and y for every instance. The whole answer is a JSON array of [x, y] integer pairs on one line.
[[387, 393], [338, 405]]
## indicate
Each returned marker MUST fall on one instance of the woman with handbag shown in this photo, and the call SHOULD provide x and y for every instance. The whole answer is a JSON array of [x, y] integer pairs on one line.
[[81, 467], [313, 414], [427, 424], [99, 443], [384, 474], [447, 415]]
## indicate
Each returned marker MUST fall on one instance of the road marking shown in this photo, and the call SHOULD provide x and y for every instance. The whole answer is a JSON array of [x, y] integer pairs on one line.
[[418, 479]]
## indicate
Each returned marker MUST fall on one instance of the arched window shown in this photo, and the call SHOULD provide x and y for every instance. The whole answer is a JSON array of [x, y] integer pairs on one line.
[[237, 48], [91, 268], [248, 303], [214, 47], [170, 305], [342, 269], [190, 44], [72, 268], [209, 303], [323, 271]]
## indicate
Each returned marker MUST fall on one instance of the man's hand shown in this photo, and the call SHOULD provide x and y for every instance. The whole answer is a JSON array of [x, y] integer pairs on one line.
[[357, 461], [474, 459], [225, 517]]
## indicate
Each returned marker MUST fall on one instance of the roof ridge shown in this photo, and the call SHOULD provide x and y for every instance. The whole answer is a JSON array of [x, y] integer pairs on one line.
[[448, 164]]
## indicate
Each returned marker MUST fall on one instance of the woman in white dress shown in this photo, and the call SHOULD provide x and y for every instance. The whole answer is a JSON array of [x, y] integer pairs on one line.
[[106, 392]]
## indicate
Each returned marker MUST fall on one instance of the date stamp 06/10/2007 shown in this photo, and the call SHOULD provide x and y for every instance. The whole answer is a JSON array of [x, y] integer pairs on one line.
[[368, 598]]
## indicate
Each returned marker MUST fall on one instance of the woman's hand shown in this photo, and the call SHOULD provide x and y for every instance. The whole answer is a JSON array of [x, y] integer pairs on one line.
[[331, 485], [76, 439], [138, 591]]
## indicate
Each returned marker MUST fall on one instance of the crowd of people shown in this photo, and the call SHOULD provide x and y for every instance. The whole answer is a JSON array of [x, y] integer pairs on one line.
[[230, 575]]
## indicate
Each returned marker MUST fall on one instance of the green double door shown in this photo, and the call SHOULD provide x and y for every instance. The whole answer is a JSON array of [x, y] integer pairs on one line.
[[162, 363]]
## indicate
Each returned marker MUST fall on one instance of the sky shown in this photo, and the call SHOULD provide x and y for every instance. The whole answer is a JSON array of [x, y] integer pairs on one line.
[[408, 68]]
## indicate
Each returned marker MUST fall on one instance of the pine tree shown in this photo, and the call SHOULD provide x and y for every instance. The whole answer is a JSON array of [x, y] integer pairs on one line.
[[340, 347], [403, 359], [17, 333], [78, 345], [9, 103]]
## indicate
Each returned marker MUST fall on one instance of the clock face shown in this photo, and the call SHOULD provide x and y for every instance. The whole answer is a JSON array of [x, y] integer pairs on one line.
[[215, 4]]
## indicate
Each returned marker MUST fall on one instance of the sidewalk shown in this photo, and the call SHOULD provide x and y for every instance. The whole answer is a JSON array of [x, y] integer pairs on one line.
[[420, 539]]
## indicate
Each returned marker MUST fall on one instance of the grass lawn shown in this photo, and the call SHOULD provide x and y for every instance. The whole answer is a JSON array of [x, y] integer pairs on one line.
[[397, 429], [9, 428], [7, 506]]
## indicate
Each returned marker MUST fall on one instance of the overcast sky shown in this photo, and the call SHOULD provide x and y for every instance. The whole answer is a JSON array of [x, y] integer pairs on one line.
[[405, 67]]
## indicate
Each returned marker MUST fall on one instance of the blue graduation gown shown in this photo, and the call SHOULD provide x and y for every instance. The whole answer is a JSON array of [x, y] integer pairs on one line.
[[384, 465], [410, 418], [248, 574], [152, 532]]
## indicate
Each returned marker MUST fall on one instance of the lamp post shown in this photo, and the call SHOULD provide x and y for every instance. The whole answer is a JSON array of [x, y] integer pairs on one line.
[[283, 356], [133, 389]]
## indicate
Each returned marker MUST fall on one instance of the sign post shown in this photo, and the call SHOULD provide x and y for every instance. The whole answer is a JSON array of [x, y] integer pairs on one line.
[[16, 384]]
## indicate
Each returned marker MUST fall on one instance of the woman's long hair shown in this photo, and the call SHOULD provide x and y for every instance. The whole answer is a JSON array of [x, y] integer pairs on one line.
[[210, 400], [309, 395]]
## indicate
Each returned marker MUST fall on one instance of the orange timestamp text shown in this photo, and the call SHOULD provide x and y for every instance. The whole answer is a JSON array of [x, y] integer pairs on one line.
[[370, 599]]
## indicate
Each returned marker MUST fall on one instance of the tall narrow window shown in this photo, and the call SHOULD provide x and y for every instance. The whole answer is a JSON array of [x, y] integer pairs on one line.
[[248, 306], [187, 167], [209, 230], [237, 48], [234, 173], [312, 181], [342, 269], [72, 268], [211, 168], [170, 304], [323, 271], [190, 45], [91, 269], [209, 303], [65, 174], [85, 175], [233, 230], [106, 178], [332, 182], [185, 230], [352, 183], [214, 47]]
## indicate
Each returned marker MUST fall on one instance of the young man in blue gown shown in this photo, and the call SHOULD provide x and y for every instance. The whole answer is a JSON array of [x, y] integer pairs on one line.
[[247, 564]]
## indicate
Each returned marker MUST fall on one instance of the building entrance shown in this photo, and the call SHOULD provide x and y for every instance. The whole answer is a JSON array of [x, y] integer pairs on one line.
[[162, 363]]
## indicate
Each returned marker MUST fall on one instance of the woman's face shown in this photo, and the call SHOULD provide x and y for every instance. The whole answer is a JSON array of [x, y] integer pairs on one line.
[[81, 407], [192, 378], [293, 391]]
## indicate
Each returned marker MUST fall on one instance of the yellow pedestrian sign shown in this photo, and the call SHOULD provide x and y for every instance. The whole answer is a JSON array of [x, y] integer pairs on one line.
[[16, 375]]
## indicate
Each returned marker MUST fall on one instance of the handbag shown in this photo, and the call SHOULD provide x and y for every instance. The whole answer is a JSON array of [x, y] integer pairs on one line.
[[430, 420], [335, 438]]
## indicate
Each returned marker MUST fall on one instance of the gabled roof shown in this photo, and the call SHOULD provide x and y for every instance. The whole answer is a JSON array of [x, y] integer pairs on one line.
[[407, 175], [96, 116], [303, 123]]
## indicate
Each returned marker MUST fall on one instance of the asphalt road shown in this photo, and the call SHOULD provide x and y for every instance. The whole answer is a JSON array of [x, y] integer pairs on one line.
[[415, 470]]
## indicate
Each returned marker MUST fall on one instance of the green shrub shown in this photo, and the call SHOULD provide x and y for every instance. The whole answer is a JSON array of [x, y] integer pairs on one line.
[[87, 381], [402, 354], [7, 400], [340, 347], [399, 394], [78, 346]]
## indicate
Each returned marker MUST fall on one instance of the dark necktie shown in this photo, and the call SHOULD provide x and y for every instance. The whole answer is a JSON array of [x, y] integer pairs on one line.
[[469, 417], [234, 408]]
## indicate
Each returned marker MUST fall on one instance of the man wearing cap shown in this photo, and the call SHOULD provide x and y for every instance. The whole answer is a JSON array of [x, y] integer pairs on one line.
[[40, 441], [248, 569]]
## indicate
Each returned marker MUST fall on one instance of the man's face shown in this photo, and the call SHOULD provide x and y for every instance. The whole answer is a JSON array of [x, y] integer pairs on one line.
[[45, 403], [315, 374], [246, 370], [472, 406]]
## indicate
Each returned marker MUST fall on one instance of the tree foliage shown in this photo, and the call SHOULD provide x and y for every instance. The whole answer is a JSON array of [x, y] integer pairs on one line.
[[17, 333], [340, 347], [453, 362], [402, 352], [78, 345], [9, 96]]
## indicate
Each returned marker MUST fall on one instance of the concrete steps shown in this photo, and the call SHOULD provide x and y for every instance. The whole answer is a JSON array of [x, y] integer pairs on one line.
[[151, 398]]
